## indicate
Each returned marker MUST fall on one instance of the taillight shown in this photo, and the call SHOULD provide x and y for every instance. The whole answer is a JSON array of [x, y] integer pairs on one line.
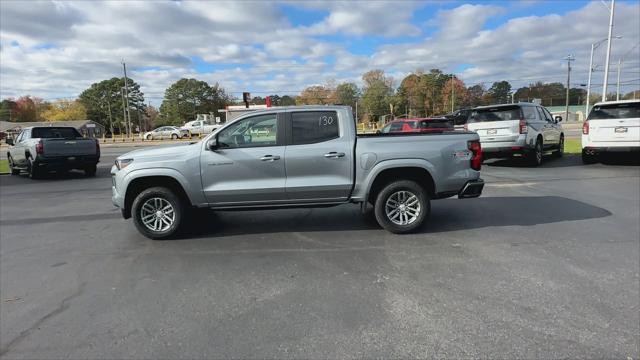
[[523, 126], [585, 128], [40, 148], [476, 149]]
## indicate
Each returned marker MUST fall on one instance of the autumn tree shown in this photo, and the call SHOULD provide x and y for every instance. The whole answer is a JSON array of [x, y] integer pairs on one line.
[[25, 109], [315, 95], [454, 95], [186, 98], [476, 94], [63, 109], [376, 94]]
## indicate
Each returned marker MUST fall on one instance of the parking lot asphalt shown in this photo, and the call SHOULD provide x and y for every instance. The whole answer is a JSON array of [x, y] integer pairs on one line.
[[544, 265]]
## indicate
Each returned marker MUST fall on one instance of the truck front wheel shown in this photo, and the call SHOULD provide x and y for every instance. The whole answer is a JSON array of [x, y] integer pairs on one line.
[[402, 206], [157, 213]]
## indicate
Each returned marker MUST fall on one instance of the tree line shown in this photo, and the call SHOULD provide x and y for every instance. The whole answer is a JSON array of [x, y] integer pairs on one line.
[[418, 94]]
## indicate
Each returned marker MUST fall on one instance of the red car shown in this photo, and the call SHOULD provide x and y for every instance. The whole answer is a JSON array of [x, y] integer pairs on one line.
[[418, 125]]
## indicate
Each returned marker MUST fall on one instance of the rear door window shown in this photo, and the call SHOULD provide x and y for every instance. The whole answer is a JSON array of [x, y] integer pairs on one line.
[[529, 113], [615, 111], [502, 113], [55, 133], [309, 127]]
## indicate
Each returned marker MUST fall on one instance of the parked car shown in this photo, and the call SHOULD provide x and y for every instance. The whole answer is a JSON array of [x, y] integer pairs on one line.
[[199, 127], [611, 127], [314, 159], [517, 130], [419, 125], [459, 118], [38, 150], [166, 132]]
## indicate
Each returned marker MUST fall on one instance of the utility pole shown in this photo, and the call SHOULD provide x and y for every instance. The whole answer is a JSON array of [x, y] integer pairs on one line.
[[109, 107], [586, 109], [606, 65], [569, 59], [453, 94], [356, 109], [124, 110], [618, 82], [126, 95]]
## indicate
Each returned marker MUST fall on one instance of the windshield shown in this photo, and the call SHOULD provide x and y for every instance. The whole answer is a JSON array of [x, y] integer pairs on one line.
[[503, 113], [615, 111], [55, 133]]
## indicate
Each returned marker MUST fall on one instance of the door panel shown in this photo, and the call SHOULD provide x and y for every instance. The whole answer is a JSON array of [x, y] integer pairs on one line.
[[319, 157], [247, 168], [243, 175]]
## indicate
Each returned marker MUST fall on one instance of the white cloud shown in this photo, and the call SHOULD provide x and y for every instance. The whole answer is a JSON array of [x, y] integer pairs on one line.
[[57, 49]]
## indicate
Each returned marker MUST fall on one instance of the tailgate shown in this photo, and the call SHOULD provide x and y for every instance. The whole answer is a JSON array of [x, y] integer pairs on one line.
[[496, 130], [69, 147], [618, 130]]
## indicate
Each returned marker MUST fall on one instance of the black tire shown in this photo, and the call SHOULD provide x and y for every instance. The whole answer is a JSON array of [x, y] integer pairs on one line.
[[12, 170], [391, 190], [536, 155], [148, 137], [168, 196], [589, 158], [174, 136], [90, 171], [33, 170], [560, 152]]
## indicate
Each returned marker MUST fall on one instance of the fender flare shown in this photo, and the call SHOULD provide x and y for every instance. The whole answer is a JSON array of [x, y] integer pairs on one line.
[[395, 164]]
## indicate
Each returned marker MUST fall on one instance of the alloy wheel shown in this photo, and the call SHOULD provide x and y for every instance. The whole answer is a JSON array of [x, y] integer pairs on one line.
[[402, 207], [157, 214]]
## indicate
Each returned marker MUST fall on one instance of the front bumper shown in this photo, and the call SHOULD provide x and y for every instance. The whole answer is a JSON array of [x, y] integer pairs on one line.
[[116, 198], [472, 189]]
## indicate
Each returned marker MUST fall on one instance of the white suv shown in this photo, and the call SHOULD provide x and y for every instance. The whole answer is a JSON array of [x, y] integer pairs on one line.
[[520, 130], [612, 126]]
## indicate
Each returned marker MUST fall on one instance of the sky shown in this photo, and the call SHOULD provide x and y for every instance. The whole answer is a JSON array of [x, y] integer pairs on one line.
[[56, 49]]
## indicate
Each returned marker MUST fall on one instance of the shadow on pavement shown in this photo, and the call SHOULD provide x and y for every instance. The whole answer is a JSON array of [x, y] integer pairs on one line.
[[23, 178], [549, 162], [446, 215], [624, 159]]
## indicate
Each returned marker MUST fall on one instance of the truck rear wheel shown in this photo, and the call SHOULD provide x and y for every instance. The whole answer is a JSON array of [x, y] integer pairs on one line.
[[90, 170], [157, 213], [12, 168], [402, 206], [589, 158]]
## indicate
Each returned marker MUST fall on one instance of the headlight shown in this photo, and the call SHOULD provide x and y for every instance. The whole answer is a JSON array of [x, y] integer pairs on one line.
[[123, 163]]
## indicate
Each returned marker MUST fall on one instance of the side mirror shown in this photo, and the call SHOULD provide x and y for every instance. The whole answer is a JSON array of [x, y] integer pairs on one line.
[[558, 118], [9, 141], [213, 144]]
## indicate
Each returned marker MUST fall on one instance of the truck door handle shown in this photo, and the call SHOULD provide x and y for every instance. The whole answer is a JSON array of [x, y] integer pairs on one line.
[[270, 158], [334, 155]]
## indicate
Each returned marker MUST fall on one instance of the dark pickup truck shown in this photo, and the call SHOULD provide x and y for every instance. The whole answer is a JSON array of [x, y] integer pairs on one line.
[[38, 150]]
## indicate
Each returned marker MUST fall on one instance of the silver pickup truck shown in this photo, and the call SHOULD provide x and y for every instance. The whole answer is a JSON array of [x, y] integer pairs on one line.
[[297, 157]]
